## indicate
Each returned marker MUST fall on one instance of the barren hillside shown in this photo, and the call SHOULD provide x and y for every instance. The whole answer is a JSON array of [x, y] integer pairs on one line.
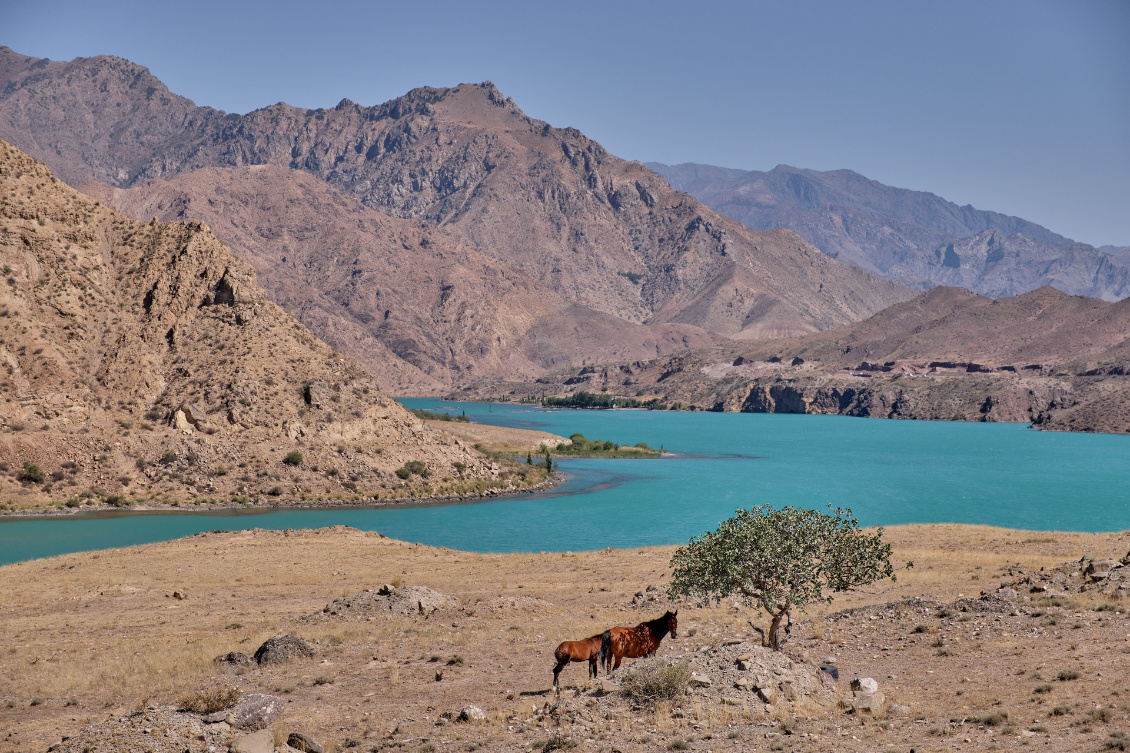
[[144, 362]]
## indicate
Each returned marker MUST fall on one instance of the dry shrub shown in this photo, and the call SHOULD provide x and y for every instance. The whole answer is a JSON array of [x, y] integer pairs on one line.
[[655, 680], [211, 700]]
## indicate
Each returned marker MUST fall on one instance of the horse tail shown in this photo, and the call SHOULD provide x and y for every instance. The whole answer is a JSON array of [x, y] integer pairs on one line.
[[605, 648]]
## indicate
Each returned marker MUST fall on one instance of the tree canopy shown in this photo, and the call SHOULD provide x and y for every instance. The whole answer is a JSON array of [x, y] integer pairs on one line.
[[780, 559]]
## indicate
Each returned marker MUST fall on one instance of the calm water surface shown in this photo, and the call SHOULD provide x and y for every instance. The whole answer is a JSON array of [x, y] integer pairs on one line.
[[887, 472]]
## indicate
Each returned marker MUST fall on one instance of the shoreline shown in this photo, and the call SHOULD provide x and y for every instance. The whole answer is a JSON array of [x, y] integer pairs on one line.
[[369, 503]]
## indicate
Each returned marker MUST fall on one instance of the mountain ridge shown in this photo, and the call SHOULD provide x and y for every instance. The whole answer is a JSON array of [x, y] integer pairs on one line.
[[914, 237], [603, 233]]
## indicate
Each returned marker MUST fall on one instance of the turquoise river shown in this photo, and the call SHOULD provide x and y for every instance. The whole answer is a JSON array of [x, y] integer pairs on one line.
[[887, 472]]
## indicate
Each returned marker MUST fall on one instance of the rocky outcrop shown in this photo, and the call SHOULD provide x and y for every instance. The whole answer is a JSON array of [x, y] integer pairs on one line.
[[388, 601], [283, 649]]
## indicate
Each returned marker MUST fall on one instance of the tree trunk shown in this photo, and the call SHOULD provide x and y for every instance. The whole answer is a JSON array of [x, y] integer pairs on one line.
[[774, 628]]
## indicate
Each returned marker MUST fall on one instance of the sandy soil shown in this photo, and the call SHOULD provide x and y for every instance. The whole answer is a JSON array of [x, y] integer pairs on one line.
[[497, 438], [88, 637]]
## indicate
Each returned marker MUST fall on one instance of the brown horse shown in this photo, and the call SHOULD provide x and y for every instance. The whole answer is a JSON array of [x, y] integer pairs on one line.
[[586, 650], [642, 640]]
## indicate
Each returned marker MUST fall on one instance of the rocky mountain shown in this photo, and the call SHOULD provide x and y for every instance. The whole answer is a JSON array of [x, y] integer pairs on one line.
[[603, 234], [914, 237], [143, 361], [418, 308], [1059, 361]]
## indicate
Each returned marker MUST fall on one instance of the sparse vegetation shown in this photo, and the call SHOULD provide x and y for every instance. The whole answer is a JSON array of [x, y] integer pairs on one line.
[[210, 700], [294, 458], [655, 680]]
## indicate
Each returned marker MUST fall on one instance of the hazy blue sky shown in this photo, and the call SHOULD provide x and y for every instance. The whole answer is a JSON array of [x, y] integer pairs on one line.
[[1020, 107]]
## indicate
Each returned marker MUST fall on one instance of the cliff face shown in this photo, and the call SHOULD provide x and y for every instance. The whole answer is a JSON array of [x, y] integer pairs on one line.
[[1060, 362], [144, 360], [601, 233], [914, 237]]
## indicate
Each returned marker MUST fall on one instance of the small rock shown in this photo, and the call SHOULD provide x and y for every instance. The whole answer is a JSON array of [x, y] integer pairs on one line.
[[898, 709], [236, 658], [1007, 593], [831, 670], [179, 595], [471, 714], [864, 685], [741, 682], [700, 681], [303, 742], [262, 741], [768, 694], [743, 666]]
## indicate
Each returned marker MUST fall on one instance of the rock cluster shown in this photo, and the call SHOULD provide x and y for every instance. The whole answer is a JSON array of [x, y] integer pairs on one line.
[[745, 673], [648, 597], [1087, 575], [157, 729], [388, 601]]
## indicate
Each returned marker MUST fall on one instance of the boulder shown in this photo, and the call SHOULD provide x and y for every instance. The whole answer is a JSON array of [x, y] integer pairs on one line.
[[898, 709], [262, 741], [869, 703], [471, 714], [388, 601], [864, 685], [235, 658], [280, 649], [303, 742], [700, 681], [767, 693], [831, 670], [255, 711], [1007, 593]]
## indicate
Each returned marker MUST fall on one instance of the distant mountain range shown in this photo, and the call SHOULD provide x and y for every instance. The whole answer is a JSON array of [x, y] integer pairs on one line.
[[607, 258], [913, 237]]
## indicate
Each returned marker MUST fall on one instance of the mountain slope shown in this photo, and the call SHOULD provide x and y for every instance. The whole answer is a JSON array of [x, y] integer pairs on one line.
[[601, 232], [417, 308], [144, 360], [913, 237]]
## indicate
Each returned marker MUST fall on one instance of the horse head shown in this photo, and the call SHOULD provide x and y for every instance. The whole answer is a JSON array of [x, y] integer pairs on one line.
[[672, 623]]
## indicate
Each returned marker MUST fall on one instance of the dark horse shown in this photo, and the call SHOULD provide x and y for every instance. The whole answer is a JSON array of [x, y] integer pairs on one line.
[[586, 650], [642, 640]]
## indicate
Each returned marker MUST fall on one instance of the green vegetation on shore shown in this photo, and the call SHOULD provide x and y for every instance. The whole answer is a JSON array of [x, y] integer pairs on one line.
[[581, 447], [427, 415], [604, 401]]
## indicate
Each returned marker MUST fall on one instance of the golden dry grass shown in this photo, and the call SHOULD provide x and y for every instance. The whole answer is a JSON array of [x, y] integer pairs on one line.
[[93, 634]]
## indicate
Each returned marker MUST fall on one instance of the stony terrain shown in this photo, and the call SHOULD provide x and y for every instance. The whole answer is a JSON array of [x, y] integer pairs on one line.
[[913, 237], [100, 654], [143, 363], [1045, 357], [602, 233]]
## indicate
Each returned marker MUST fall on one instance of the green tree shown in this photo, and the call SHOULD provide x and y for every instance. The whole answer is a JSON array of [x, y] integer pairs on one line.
[[780, 559], [529, 458], [548, 462]]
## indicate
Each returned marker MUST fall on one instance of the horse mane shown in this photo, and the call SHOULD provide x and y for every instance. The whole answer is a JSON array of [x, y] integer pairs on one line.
[[657, 627]]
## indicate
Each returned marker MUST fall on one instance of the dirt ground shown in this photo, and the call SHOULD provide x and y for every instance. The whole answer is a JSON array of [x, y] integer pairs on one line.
[[89, 637], [497, 438]]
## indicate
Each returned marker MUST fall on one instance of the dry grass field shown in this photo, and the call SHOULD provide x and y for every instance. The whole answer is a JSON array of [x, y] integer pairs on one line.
[[89, 637]]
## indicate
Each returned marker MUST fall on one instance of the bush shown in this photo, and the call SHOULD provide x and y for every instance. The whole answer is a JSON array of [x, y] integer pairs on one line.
[[417, 467], [557, 742], [992, 720], [31, 474], [403, 473], [211, 700], [655, 680], [1067, 674], [294, 457]]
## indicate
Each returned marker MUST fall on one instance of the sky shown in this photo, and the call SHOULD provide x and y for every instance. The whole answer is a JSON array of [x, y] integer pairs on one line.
[[1018, 107]]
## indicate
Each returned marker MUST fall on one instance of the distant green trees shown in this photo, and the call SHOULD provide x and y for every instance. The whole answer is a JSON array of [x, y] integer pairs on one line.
[[601, 401]]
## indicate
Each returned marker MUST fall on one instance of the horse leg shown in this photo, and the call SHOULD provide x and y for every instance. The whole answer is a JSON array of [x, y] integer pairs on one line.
[[592, 666], [557, 670]]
